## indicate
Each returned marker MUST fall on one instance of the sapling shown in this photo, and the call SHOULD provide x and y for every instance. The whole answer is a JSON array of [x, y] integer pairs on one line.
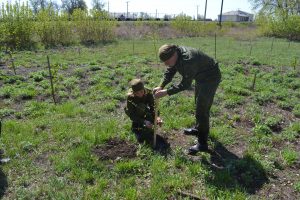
[[51, 80], [294, 63], [254, 81], [12, 62]]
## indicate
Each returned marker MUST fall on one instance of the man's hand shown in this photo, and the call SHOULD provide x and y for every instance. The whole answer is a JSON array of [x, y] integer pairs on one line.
[[160, 93], [148, 124], [157, 89]]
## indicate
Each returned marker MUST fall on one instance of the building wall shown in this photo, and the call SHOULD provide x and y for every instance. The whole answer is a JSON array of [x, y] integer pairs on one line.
[[236, 18]]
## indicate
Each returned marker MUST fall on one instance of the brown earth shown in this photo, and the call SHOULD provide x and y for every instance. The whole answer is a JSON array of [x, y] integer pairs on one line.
[[115, 148]]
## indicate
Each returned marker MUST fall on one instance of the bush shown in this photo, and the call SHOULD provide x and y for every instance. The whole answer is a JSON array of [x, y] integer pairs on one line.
[[262, 129], [6, 112]]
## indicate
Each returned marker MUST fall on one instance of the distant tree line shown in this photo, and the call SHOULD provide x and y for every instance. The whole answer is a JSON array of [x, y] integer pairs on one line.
[[24, 26], [66, 5]]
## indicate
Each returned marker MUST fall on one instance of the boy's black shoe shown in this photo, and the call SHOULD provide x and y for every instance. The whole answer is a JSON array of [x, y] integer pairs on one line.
[[190, 131], [197, 148]]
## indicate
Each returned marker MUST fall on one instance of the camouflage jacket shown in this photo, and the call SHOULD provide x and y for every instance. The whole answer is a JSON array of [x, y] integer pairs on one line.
[[140, 109], [191, 64]]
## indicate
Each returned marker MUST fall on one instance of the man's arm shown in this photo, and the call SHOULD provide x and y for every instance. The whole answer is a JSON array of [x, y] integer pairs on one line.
[[183, 85], [168, 76]]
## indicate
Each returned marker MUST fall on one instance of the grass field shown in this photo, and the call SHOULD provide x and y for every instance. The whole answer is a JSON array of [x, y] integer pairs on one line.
[[254, 141]]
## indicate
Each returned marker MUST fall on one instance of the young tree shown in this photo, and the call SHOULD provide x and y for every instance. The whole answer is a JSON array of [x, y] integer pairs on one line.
[[71, 5]]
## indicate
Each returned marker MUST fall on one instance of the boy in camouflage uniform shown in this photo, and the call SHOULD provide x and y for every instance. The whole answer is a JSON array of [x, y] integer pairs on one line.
[[140, 109], [191, 64]]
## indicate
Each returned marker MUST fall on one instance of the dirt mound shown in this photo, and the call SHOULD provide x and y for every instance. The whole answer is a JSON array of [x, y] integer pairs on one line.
[[115, 148]]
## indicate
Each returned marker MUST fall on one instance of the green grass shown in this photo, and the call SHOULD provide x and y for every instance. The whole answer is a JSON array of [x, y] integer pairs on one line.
[[50, 146]]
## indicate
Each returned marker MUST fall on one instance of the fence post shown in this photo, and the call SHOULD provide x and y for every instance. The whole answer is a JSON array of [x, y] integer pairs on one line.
[[215, 46]]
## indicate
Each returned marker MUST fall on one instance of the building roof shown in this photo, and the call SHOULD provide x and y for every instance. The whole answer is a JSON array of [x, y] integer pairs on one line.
[[237, 12]]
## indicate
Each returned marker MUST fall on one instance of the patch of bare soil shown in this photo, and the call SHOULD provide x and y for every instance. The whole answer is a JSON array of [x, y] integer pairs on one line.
[[282, 185], [115, 148]]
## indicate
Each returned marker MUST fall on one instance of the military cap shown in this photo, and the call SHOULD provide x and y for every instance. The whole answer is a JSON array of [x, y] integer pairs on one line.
[[136, 85], [166, 51]]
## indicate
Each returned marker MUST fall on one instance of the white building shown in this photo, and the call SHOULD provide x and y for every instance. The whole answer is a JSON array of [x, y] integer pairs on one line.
[[236, 16]]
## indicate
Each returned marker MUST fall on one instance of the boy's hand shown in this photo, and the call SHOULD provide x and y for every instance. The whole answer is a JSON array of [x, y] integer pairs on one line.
[[159, 121], [157, 89], [148, 124]]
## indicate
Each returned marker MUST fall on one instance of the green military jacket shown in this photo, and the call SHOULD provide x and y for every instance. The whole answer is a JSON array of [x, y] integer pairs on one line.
[[140, 109], [192, 64]]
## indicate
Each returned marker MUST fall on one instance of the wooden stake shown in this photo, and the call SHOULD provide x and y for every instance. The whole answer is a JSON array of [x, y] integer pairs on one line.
[[51, 82], [156, 104], [188, 195]]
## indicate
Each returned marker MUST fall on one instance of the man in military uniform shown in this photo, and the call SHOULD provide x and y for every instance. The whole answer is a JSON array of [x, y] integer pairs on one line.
[[140, 109], [191, 64]]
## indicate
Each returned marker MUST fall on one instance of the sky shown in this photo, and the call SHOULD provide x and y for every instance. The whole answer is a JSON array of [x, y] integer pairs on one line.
[[188, 7], [171, 7]]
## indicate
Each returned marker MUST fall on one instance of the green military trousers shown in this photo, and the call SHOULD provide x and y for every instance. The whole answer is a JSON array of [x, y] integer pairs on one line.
[[204, 95]]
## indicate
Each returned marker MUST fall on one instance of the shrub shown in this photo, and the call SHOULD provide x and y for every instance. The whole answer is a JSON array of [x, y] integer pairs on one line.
[[38, 76], [296, 110], [6, 112], [25, 93], [262, 129], [289, 156], [6, 91]]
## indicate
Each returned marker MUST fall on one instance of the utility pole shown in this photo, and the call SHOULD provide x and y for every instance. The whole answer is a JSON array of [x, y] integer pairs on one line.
[[205, 11], [197, 12], [108, 6], [127, 9], [220, 20]]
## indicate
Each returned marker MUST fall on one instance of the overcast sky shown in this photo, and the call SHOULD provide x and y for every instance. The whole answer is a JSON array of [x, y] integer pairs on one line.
[[163, 7]]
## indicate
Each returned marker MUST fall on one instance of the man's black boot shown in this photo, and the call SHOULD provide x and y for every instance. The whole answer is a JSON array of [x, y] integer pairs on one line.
[[190, 131], [196, 148]]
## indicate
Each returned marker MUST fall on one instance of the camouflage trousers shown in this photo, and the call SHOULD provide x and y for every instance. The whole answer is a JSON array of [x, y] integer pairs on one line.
[[204, 96], [146, 135]]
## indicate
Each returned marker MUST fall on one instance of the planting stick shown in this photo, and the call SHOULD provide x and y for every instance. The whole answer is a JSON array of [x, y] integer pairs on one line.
[[188, 195], [51, 82], [156, 103]]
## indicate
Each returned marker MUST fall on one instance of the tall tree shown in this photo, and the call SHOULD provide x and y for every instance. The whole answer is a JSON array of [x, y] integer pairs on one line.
[[71, 5], [38, 5], [285, 7], [98, 4]]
